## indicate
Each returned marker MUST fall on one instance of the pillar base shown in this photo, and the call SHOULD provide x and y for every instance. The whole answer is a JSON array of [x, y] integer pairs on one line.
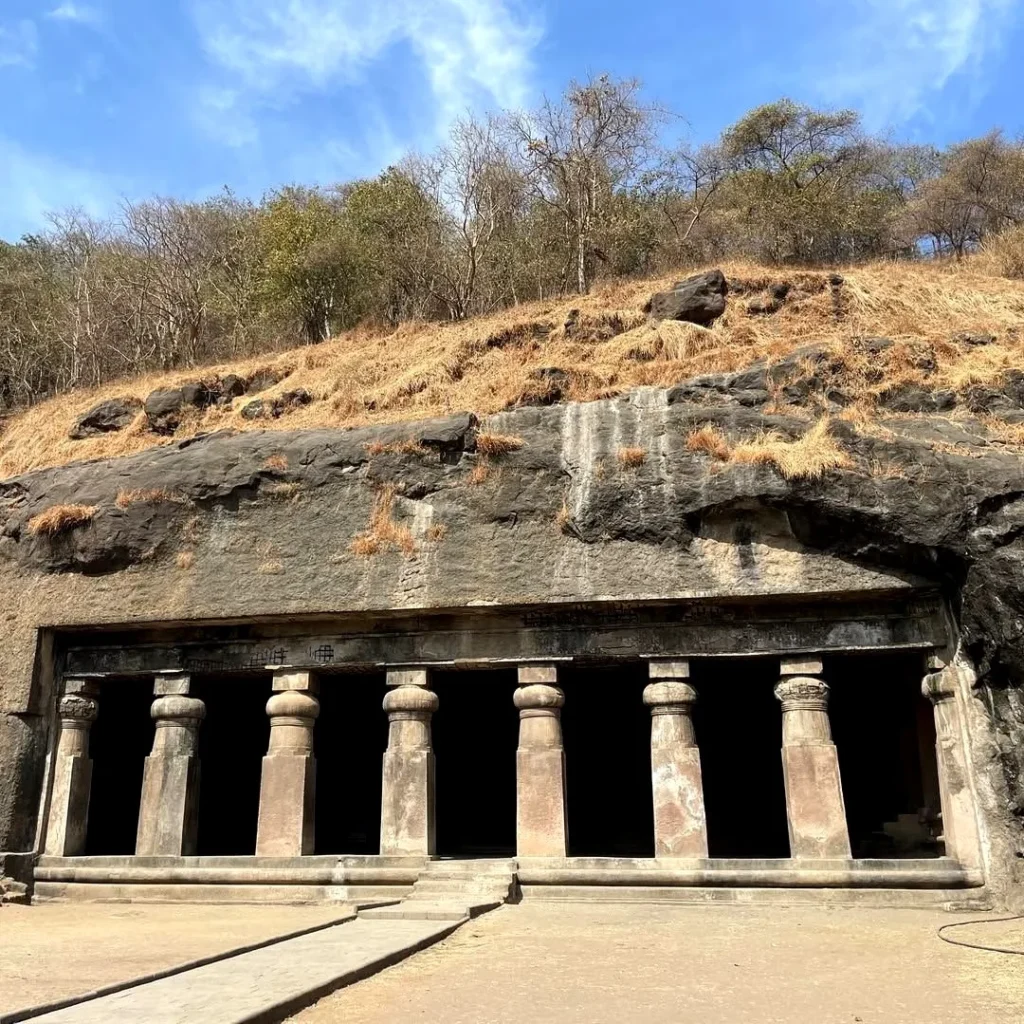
[[287, 802], [814, 797], [407, 807], [169, 812], [680, 828], [69, 806], [540, 803]]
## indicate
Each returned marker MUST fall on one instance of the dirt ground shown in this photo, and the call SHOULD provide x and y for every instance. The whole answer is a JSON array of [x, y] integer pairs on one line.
[[53, 951], [584, 964]]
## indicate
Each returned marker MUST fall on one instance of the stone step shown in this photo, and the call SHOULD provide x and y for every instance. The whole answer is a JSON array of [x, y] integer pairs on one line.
[[427, 910], [467, 868]]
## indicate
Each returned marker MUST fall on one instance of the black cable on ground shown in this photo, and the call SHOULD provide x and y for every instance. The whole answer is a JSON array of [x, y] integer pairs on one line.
[[977, 945]]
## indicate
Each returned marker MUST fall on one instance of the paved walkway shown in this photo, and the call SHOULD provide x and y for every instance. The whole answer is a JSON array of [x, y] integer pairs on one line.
[[591, 964], [263, 984], [54, 951]]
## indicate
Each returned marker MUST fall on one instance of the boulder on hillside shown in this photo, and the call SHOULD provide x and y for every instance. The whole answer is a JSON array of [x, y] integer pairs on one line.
[[165, 406], [264, 408], [109, 416], [697, 300]]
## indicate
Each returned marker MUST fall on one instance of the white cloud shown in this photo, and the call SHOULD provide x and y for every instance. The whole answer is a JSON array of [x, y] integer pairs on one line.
[[32, 185], [469, 49], [69, 11], [18, 44], [894, 56]]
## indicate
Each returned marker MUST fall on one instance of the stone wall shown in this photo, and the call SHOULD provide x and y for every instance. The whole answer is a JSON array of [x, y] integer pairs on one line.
[[262, 525]]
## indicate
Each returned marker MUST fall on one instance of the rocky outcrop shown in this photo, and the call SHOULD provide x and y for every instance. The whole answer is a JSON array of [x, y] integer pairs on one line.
[[104, 418], [698, 300]]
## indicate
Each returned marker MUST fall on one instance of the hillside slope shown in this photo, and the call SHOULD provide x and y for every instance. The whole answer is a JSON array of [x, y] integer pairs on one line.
[[957, 333]]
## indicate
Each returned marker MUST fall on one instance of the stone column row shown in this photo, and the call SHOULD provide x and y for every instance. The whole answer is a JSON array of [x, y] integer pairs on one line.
[[168, 812]]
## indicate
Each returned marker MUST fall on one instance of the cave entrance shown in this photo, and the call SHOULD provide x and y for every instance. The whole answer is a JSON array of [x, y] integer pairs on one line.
[[232, 743], [475, 734], [349, 740], [119, 741], [884, 730], [738, 726], [607, 735]]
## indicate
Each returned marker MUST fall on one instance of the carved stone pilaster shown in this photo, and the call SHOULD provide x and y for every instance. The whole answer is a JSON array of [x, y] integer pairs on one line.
[[541, 823], [408, 824], [68, 819], [288, 783], [169, 811], [814, 792], [680, 826]]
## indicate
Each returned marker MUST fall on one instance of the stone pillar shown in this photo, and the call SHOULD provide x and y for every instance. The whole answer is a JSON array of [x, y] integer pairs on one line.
[[959, 823], [169, 814], [680, 827], [814, 793], [72, 771], [408, 825], [541, 826], [288, 782]]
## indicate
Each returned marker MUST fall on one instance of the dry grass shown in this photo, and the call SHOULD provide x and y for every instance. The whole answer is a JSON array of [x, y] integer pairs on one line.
[[408, 447], [384, 533], [185, 559], [481, 471], [563, 518], [631, 458], [270, 568], [489, 364], [437, 533], [496, 445], [154, 495], [709, 440], [276, 463], [283, 490], [809, 456], [58, 519]]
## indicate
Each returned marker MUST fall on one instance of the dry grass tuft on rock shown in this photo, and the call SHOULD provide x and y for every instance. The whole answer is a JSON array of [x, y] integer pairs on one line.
[[138, 496], [709, 440], [276, 463], [283, 490], [631, 458], [185, 559], [437, 533], [808, 457], [59, 519], [563, 518], [384, 533], [496, 445], [408, 447]]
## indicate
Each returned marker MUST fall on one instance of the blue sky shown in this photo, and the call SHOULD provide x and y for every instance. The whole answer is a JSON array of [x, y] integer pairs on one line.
[[111, 98]]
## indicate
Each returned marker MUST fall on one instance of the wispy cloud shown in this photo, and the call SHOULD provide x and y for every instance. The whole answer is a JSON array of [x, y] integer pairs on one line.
[[18, 44], [468, 49], [32, 184], [80, 13], [895, 56]]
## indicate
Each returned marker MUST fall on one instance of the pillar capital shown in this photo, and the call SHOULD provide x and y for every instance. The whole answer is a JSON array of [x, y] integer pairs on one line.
[[292, 704], [78, 707], [802, 693], [178, 710], [939, 686], [538, 698], [410, 700], [669, 697]]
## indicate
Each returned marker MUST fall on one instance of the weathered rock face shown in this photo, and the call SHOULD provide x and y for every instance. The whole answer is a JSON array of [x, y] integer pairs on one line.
[[699, 299], [262, 524]]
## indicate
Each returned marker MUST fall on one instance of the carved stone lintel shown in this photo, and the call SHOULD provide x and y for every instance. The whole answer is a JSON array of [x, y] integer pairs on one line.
[[802, 693]]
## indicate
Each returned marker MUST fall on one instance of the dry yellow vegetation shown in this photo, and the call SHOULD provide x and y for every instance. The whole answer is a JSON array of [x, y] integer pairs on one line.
[[59, 519], [603, 344]]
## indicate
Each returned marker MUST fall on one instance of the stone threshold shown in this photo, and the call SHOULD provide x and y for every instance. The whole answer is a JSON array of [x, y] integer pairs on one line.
[[399, 872]]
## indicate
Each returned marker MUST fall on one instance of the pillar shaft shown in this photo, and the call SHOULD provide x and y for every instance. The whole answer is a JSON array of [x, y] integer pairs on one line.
[[408, 823], [72, 772], [959, 822], [286, 825], [680, 825], [814, 792], [169, 812], [541, 825]]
